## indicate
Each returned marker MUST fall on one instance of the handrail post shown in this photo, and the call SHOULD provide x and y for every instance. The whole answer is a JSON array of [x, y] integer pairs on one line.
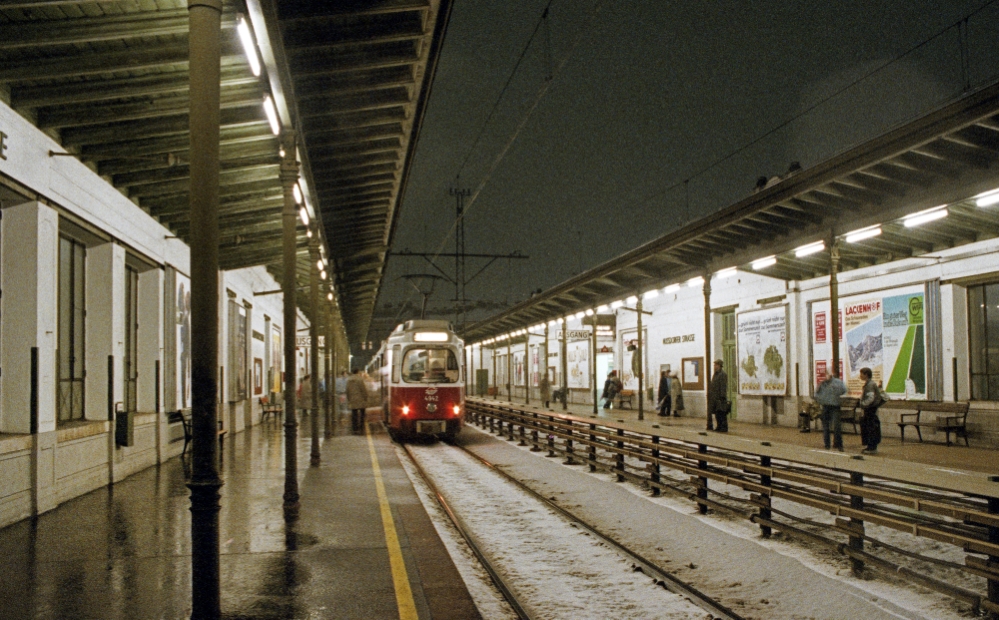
[[702, 482], [568, 448], [593, 448], [765, 512], [656, 491], [551, 436], [993, 585], [619, 457], [856, 525], [534, 434]]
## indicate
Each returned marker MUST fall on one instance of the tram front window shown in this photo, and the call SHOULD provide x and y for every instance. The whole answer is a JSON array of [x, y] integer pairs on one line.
[[430, 366]]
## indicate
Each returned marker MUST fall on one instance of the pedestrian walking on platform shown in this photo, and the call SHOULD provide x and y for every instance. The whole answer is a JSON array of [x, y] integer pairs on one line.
[[664, 400], [341, 393], [357, 400], [612, 387], [718, 398], [828, 394], [676, 393], [545, 387], [870, 425], [304, 397]]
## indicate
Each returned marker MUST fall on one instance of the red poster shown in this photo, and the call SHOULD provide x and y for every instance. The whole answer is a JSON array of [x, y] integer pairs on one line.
[[820, 371], [820, 327]]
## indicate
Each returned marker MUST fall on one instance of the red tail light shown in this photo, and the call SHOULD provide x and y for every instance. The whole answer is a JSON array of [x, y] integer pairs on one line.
[[405, 410]]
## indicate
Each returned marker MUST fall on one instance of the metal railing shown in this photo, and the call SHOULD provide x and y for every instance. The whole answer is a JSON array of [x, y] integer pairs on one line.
[[748, 480]]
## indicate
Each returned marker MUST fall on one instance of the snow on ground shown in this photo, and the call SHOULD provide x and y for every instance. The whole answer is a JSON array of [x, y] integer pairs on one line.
[[820, 558], [488, 599], [556, 569]]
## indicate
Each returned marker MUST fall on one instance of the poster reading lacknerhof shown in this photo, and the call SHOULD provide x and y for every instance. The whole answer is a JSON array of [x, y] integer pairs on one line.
[[762, 347]]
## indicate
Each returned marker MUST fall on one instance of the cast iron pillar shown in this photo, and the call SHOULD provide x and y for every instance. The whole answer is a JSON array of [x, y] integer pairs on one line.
[[593, 363], [289, 176], [544, 365], [834, 301], [328, 364], [314, 456], [641, 362], [564, 363], [527, 367], [509, 368], [204, 62], [705, 370]]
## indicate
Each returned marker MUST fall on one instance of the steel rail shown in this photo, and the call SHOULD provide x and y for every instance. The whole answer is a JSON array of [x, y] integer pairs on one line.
[[668, 580], [505, 589]]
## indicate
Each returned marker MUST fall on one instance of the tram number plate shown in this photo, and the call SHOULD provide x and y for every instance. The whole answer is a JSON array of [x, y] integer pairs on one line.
[[430, 426]]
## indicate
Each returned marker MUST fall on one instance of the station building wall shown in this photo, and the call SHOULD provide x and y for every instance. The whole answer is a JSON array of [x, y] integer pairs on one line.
[[50, 451]]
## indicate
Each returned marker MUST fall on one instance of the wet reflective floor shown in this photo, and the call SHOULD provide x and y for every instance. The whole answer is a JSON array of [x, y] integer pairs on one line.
[[124, 552]]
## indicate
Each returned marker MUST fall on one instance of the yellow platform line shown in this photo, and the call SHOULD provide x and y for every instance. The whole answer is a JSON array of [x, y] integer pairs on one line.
[[403, 593]]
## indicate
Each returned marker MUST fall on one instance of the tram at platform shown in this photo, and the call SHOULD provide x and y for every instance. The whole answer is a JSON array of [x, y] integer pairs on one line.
[[421, 379]]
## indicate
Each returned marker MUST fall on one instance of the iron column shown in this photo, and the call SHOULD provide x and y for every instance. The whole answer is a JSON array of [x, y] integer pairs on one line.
[[527, 366], [204, 67], [641, 363], [834, 301], [545, 362], [314, 456], [593, 362], [565, 363], [328, 362], [289, 176], [705, 373], [509, 367]]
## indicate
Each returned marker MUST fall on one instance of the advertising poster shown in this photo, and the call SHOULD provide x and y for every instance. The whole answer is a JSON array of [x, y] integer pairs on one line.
[[237, 351], [518, 368], [535, 369], [183, 335], [882, 331], [578, 358], [630, 364], [762, 351]]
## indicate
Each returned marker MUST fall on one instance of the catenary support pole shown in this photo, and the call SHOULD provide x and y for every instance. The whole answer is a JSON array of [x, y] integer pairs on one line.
[[314, 456], [706, 366], [204, 68], [289, 176], [641, 362], [834, 301]]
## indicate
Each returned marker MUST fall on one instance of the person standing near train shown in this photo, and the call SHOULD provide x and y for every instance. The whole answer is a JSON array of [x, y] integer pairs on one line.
[[357, 400]]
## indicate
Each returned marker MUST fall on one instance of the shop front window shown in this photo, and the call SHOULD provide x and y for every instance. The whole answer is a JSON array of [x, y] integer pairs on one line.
[[430, 366], [72, 256], [983, 327]]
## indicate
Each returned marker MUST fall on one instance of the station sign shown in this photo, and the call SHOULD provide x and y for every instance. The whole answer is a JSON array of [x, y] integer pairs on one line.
[[575, 334], [302, 342], [3, 145], [679, 339]]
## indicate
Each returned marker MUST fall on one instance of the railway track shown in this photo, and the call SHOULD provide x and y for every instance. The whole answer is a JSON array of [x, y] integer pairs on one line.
[[518, 593]]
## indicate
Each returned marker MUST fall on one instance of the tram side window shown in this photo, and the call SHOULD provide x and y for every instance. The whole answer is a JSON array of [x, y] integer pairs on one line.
[[396, 368], [430, 366], [983, 327]]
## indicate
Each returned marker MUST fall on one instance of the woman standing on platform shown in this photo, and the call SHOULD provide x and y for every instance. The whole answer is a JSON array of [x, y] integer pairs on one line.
[[665, 405], [870, 426], [676, 393], [357, 400], [544, 386]]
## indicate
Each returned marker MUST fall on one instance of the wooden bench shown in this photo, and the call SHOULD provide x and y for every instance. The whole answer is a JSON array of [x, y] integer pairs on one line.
[[625, 396], [954, 418], [267, 408], [850, 411], [185, 419]]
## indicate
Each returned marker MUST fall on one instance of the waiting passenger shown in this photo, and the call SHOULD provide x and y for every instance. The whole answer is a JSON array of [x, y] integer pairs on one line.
[[357, 400]]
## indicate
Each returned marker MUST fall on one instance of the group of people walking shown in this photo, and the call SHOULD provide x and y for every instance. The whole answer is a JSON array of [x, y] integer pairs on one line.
[[670, 394], [351, 393]]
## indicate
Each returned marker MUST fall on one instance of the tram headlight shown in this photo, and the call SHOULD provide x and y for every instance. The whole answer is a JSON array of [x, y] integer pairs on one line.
[[405, 410], [456, 409]]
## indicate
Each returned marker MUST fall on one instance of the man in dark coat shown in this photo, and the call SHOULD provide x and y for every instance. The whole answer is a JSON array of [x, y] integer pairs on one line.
[[718, 398], [664, 397]]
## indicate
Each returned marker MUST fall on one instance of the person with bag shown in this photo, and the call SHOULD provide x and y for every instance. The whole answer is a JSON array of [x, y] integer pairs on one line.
[[664, 399], [612, 387], [870, 425], [676, 393], [718, 398]]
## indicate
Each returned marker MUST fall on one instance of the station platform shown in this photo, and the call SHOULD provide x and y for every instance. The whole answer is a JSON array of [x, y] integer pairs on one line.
[[932, 454], [124, 552]]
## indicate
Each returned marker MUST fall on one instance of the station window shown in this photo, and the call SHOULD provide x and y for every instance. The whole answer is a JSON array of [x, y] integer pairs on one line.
[[72, 263], [430, 366], [983, 337]]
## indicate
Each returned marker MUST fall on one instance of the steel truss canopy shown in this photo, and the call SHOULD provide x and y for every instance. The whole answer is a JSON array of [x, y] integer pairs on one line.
[[109, 81], [920, 186]]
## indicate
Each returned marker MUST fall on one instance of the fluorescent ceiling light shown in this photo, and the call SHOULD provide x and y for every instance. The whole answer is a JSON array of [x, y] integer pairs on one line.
[[579, 315], [319, 264], [617, 304], [726, 273], [863, 233], [272, 116], [553, 322], [559, 320], [329, 296], [322, 274], [987, 199], [672, 288], [246, 37], [929, 215], [308, 234], [297, 192], [632, 300], [810, 248], [698, 281], [303, 214], [603, 308], [763, 263], [589, 312], [430, 337], [651, 294]]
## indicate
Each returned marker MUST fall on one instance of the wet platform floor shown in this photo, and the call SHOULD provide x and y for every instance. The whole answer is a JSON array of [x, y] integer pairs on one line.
[[124, 552]]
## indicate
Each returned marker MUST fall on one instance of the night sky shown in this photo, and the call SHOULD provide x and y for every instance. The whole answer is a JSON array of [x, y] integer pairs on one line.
[[644, 96]]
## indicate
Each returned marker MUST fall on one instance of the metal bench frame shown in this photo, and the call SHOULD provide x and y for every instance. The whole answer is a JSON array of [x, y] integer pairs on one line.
[[956, 423]]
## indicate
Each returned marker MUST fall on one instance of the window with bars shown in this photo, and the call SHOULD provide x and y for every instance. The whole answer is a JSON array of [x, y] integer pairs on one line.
[[72, 263], [983, 340]]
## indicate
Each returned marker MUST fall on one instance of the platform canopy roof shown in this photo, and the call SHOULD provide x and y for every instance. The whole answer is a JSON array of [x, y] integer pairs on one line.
[[109, 81], [944, 159]]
